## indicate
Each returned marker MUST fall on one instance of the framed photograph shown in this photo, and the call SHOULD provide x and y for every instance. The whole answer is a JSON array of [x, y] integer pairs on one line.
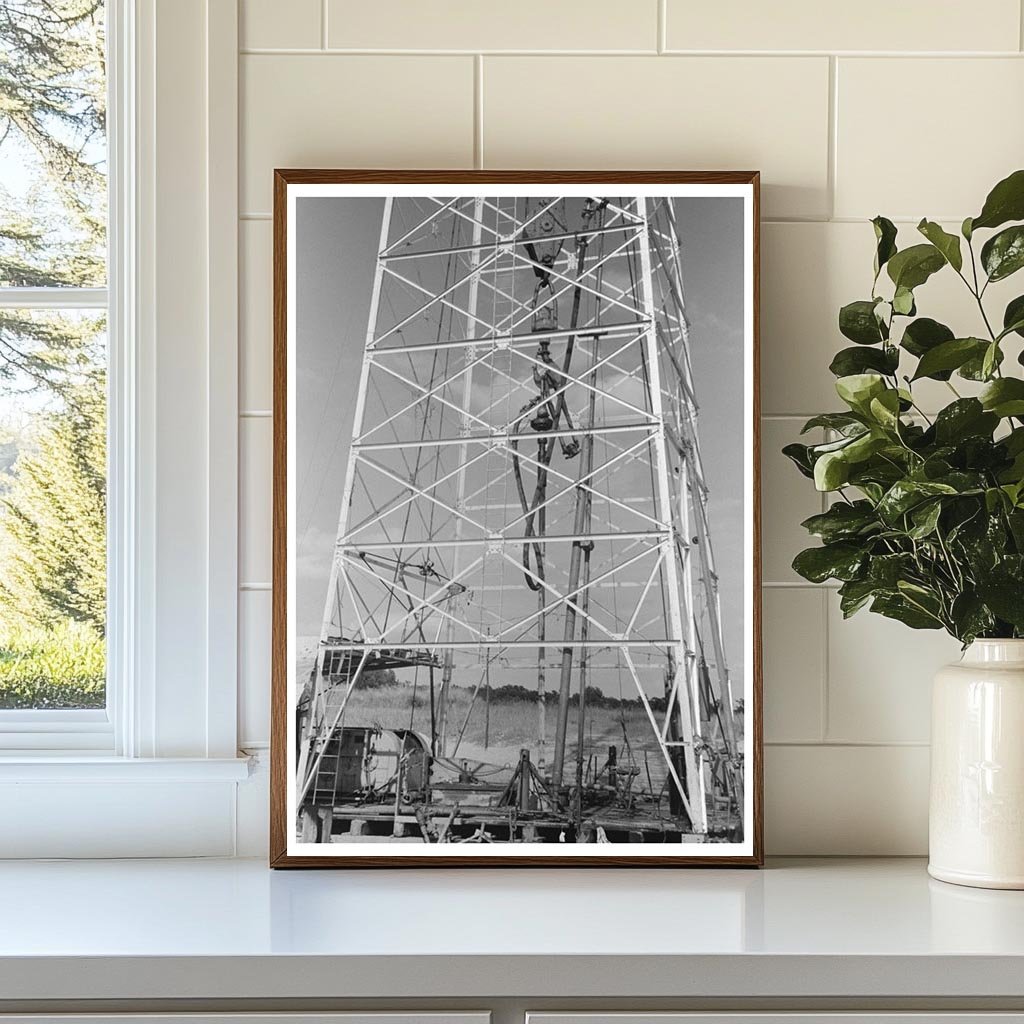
[[516, 615]]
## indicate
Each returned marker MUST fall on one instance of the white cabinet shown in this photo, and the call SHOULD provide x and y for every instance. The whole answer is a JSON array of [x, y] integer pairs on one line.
[[783, 1017], [408, 1017]]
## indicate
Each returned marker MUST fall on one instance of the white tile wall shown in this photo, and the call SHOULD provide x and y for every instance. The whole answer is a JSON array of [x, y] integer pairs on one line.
[[261, 25], [471, 25], [795, 639], [254, 665], [335, 110], [872, 25], [255, 357], [255, 510], [925, 116], [694, 112], [969, 110], [879, 678]]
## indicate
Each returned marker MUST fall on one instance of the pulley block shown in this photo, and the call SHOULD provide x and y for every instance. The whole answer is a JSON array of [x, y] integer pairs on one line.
[[546, 220]]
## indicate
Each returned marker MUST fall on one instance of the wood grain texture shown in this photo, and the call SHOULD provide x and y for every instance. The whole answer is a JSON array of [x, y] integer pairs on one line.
[[279, 857]]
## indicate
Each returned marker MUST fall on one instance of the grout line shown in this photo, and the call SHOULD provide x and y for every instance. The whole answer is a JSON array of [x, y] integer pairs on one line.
[[255, 414], [255, 216], [799, 585], [823, 715], [663, 26], [899, 221], [254, 586], [1020, 20], [781, 417], [258, 51], [323, 24], [833, 134], [478, 111], [859, 54], [339, 51]]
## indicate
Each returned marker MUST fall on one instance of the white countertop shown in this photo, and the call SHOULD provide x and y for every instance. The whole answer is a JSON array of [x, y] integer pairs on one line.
[[234, 929]]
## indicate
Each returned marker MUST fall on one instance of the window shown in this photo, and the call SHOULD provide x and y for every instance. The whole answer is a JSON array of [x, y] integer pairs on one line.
[[53, 360], [117, 199]]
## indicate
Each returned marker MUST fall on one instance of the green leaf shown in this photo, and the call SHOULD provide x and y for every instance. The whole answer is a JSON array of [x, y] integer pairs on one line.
[[1016, 520], [858, 389], [899, 608], [854, 594], [849, 361], [1013, 316], [1014, 441], [970, 617], [831, 471], [817, 450], [863, 447], [841, 421], [947, 244], [964, 482], [906, 494], [840, 561], [799, 455], [1004, 397], [1003, 254], [965, 229], [925, 518], [974, 368], [923, 335], [911, 267], [843, 521], [995, 499], [885, 237], [857, 321], [903, 302], [1005, 202], [949, 356], [1005, 596], [887, 570], [966, 417], [991, 360], [885, 409]]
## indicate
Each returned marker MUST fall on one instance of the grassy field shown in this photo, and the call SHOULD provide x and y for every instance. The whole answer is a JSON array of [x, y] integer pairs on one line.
[[63, 667], [496, 735]]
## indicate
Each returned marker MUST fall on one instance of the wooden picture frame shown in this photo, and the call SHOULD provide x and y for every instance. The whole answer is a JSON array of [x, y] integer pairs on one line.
[[535, 812]]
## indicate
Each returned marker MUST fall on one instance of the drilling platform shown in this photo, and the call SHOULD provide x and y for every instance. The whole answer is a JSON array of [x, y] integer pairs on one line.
[[522, 637]]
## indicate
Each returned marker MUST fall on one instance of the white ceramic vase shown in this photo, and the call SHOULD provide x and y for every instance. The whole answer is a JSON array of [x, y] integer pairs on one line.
[[976, 815]]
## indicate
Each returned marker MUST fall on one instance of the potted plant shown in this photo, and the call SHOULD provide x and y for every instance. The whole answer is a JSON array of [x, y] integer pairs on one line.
[[926, 520]]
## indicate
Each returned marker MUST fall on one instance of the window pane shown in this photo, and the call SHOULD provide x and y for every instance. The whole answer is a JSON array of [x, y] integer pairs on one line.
[[53, 151], [52, 509]]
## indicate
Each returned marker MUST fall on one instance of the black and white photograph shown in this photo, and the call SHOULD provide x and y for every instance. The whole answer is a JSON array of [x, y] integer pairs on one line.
[[518, 517]]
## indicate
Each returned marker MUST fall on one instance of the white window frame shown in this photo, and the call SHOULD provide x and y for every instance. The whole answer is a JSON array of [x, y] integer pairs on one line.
[[65, 730], [170, 728]]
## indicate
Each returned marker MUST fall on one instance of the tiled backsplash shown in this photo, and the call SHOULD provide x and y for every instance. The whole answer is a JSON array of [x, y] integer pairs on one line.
[[906, 109]]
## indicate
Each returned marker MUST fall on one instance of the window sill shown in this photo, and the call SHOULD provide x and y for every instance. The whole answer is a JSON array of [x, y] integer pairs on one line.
[[76, 766], [80, 733], [75, 805]]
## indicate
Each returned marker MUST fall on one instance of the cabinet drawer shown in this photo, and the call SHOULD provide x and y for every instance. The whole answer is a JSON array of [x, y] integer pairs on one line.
[[361, 1017], [785, 1017]]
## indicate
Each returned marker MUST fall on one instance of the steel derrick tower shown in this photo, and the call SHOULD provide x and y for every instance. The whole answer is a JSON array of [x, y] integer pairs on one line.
[[524, 505]]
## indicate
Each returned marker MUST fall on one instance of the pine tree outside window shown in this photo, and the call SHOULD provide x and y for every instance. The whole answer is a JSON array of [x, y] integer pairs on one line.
[[53, 360]]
